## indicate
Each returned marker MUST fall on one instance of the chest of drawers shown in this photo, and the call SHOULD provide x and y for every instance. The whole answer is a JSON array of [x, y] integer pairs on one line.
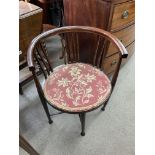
[[115, 16]]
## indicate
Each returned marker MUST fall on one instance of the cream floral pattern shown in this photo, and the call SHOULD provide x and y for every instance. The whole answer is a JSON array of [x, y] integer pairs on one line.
[[89, 77], [77, 87], [75, 71], [63, 82]]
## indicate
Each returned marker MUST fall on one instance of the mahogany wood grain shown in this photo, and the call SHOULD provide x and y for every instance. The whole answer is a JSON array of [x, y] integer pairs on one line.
[[126, 36], [86, 13], [123, 14]]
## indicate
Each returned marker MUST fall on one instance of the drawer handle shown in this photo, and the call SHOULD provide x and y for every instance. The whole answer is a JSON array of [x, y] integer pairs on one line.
[[125, 14], [113, 62]]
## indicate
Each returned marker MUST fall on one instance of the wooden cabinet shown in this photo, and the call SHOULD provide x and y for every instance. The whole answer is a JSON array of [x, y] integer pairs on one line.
[[30, 25], [125, 35], [115, 16]]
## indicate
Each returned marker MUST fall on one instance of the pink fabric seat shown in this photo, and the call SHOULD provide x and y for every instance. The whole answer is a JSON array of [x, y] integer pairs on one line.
[[77, 87]]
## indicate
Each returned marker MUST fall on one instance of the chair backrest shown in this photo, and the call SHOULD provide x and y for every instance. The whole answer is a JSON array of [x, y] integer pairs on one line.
[[74, 39]]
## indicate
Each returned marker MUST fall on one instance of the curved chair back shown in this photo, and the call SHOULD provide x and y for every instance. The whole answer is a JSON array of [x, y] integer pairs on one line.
[[71, 40]]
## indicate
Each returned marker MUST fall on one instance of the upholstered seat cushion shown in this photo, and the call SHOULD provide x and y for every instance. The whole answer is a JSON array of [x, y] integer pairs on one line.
[[77, 87]]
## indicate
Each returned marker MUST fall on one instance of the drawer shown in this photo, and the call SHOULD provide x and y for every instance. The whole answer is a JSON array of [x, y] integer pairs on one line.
[[126, 35], [110, 63], [131, 50], [123, 14]]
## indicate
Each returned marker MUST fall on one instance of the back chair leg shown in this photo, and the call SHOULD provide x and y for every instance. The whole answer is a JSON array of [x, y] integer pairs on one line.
[[82, 119], [47, 112]]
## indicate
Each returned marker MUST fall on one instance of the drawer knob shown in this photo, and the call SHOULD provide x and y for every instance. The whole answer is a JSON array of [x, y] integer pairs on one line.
[[125, 14], [113, 62]]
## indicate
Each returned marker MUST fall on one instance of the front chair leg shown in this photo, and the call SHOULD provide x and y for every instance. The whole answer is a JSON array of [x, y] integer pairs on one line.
[[82, 119], [105, 104], [47, 112]]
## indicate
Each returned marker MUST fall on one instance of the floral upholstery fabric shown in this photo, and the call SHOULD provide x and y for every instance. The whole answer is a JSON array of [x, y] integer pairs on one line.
[[77, 87]]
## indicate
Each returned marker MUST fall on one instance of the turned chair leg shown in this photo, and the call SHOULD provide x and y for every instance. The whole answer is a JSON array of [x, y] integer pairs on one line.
[[82, 119], [47, 112]]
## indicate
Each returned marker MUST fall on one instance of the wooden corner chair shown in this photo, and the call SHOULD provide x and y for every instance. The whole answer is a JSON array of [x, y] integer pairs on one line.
[[75, 87]]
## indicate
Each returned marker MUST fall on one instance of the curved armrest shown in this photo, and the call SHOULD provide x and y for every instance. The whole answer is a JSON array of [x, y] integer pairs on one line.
[[65, 29]]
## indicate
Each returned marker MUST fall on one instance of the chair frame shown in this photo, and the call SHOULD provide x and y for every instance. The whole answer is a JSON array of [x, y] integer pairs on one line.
[[31, 56]]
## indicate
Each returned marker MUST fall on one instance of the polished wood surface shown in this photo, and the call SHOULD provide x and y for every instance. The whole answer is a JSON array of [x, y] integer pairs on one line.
[[77, 29], [123, 14], [126, 36], [131, 50], [115, 16], [86, 13]]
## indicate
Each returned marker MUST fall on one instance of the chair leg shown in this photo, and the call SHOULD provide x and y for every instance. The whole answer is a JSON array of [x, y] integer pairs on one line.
[[26, 146], [20, 90], [82, 119], [47, 112], [105, 104]]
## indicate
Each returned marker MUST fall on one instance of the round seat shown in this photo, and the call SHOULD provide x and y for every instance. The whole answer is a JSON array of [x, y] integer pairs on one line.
[[77, 87]]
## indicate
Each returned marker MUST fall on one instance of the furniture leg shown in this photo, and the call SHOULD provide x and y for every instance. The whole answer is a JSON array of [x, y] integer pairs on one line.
[[103, 108], [82, 119], [26, 146], [20, 90], [47, 112]]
